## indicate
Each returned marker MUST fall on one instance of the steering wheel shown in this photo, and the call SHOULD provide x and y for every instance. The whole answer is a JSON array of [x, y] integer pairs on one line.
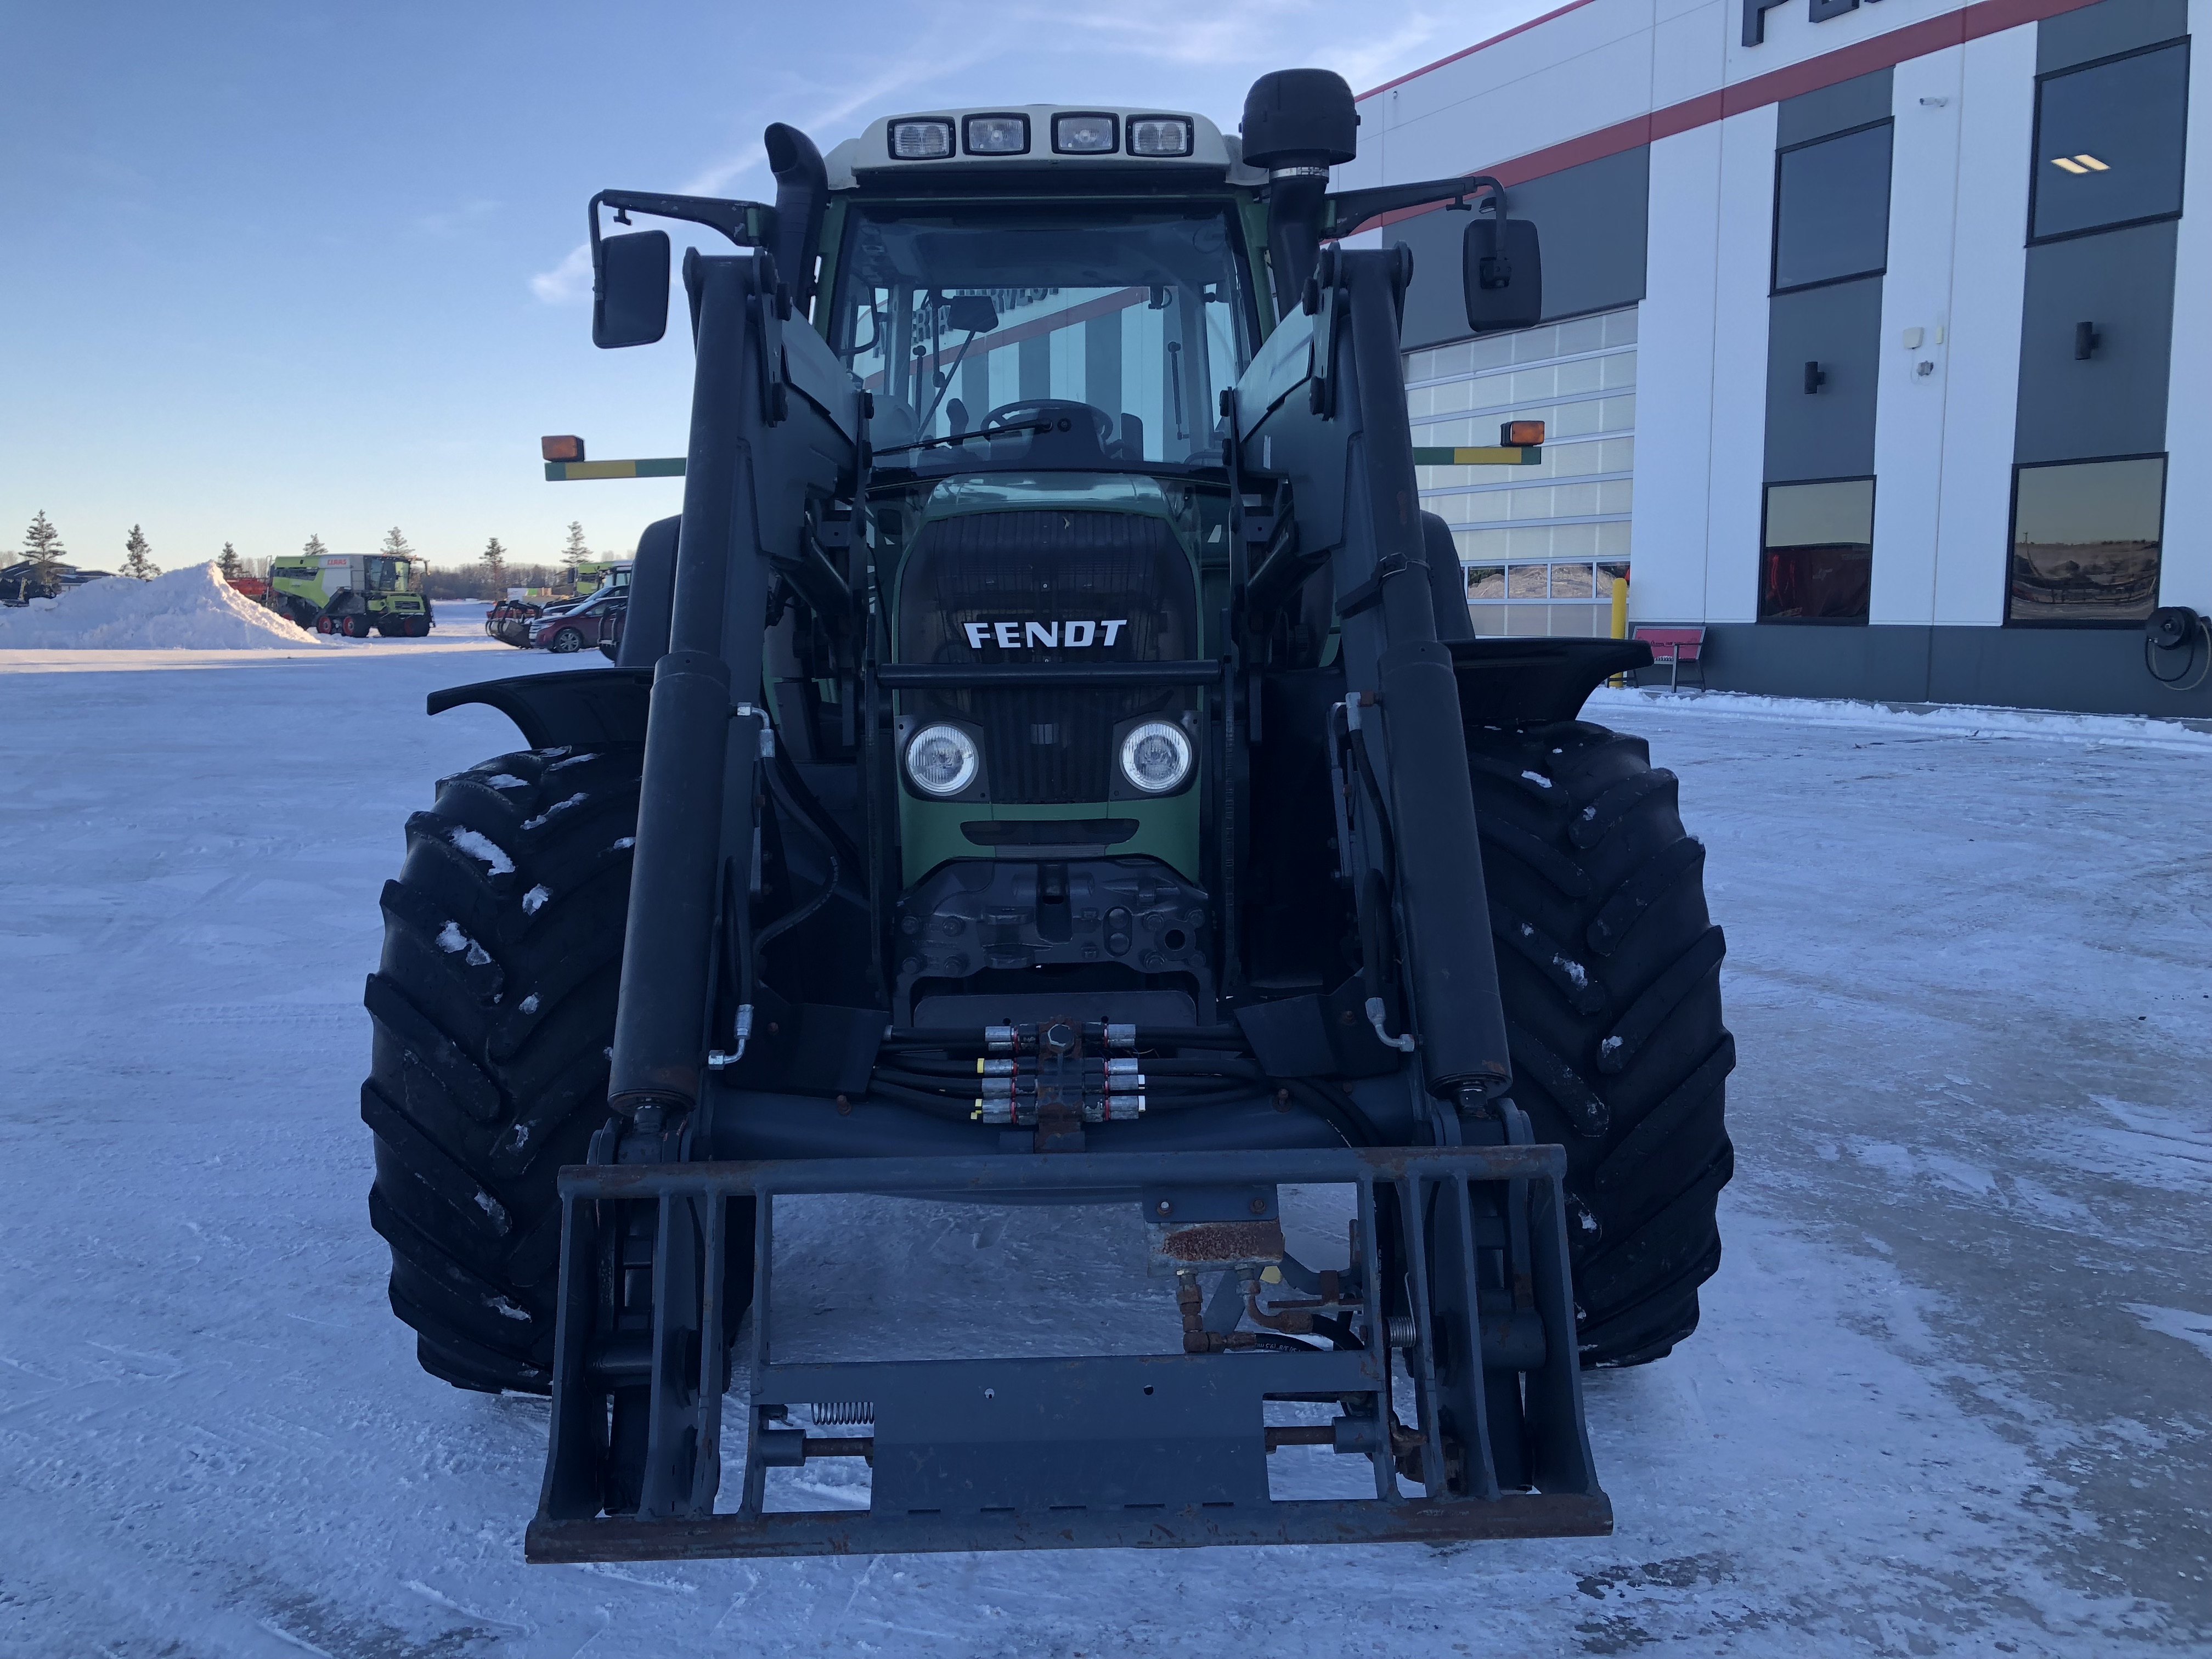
[[1061, 414]]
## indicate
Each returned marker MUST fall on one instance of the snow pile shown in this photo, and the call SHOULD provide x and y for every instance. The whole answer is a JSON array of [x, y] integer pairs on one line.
[[192, 609], [1948, 719]]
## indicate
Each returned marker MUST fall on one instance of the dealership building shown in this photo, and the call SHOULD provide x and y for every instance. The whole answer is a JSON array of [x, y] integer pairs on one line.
[[1876, 340]]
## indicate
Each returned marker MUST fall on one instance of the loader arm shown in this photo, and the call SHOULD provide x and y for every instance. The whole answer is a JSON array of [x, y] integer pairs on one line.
[[1324, 409]]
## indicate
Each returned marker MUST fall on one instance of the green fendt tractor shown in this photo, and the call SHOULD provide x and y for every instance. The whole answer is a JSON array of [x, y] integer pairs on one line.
[[1049, 763], [352, 594]]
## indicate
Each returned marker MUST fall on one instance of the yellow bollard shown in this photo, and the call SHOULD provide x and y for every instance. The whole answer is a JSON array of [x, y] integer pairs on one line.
[[1619, 620]]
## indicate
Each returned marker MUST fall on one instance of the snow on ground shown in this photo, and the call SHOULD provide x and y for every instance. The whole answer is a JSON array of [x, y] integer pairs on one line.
[[192, 609], [1950, 1396]]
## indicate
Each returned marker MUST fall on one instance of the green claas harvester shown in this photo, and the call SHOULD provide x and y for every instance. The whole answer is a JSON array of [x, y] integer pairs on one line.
[[352, 594], [1050, 775]]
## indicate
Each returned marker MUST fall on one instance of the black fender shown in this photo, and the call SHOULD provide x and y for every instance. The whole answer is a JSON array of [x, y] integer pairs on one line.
[[581, 706], [1530, 682]]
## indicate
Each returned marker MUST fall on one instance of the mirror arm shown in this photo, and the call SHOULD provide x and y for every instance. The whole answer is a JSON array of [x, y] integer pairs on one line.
[[1350, 210], [748, 224]]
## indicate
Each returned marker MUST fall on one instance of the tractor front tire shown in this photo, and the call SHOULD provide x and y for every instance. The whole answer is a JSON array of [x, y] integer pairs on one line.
[[1609, 965], [493, 1011]]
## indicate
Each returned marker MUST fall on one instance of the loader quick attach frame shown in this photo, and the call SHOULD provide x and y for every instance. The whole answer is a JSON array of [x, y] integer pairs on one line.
[[1463, 1289], [1130, 1450]]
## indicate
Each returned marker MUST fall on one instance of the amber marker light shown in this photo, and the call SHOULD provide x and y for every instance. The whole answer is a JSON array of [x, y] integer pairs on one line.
[[1521, 434], [566, 447]]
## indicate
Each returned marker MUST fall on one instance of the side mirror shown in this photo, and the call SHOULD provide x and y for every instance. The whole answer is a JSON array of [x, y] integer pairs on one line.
[[972, 313], [1503, 274], [629, 290]]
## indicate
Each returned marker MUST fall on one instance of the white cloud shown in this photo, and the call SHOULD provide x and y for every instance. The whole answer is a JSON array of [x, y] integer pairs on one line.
[[568, 282]]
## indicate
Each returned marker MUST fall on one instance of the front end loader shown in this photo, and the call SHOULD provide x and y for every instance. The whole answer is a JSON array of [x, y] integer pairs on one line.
[[1050, 763]]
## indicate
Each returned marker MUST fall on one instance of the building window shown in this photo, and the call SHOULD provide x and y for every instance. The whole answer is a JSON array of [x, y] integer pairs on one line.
[[2108, 143], [1832, 208], [1542, 544], [1816, 554], [2084, 540]]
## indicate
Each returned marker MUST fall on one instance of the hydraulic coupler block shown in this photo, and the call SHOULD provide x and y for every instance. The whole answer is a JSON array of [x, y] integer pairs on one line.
[[1060, 1064]]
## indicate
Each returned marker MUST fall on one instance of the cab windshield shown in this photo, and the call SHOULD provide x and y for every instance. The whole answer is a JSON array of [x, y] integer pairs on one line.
[[957, 321], [388, 575]]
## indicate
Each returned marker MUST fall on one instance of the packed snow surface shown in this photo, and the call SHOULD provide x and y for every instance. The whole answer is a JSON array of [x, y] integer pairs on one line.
[[191, 609], [1949, 1396]]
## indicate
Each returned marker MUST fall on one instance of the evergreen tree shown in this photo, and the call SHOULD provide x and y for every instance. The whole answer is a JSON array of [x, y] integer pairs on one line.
[[42, 545], [395, 545], [314, 549], [573, 553], [137, 564], [495, 564], [230, 566]]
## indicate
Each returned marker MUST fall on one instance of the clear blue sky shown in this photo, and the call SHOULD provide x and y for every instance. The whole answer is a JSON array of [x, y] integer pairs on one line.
[[282, 268]]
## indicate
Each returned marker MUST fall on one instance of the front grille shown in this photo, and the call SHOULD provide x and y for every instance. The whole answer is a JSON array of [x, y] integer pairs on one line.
[[1052, 569]]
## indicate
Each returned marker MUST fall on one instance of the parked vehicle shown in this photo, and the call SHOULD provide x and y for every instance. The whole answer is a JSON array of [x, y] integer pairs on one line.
[[352, 594], [1099, 798], [564, 628]]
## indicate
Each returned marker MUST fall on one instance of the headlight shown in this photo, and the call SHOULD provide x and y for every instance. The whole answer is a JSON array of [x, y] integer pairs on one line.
[[1159, 135], [1082, 135], [1156, 757], [920, 140], [941, 760], [998, 135]]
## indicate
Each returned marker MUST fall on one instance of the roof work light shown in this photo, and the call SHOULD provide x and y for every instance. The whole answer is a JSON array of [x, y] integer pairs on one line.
[[1159, 135], [1082, 135], [920, 140], [997, 135]]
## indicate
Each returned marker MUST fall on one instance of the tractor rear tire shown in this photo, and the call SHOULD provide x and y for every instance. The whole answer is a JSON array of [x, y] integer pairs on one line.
[[493, 1009], [1610, 969]]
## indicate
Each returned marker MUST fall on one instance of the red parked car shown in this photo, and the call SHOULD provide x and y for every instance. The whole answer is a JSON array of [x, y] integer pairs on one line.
[[571, 628]]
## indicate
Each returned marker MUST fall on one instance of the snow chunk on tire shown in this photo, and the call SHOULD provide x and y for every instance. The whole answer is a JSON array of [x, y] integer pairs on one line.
[[478, 845], [545, 817]]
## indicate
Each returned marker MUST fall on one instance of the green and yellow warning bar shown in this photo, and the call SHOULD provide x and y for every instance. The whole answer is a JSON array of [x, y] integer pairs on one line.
[[569, 472], [1520, 443], [565, 463], [1474, 455]]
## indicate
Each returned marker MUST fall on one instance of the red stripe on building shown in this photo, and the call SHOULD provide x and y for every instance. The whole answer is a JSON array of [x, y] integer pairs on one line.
[[1878, 51]]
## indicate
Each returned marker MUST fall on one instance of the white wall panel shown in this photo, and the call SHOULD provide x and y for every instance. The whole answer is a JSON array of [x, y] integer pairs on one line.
[[1492, 117], [1980, 358], [1744, 242], [1915, 294], [1689, 50], [1674, 381], [2186, 573]]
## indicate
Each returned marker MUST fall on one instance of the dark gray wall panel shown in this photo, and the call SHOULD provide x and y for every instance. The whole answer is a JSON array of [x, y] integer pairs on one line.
[[1592, 220], [2108, 27], [1848, 104], [2115, 402], [1828, 433], [2096, 670]]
